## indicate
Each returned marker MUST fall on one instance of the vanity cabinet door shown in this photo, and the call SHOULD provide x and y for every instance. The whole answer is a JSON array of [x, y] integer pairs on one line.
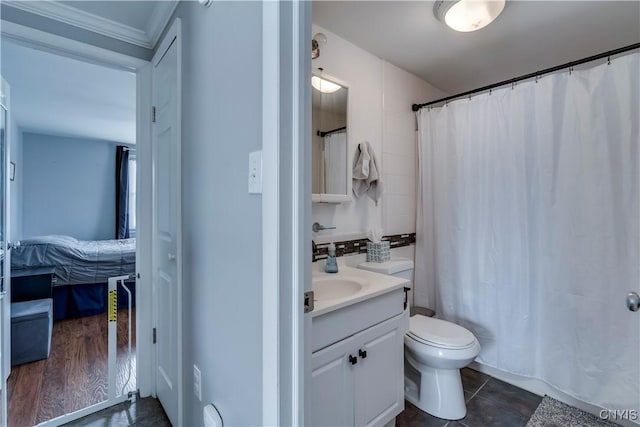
[[331, 389], [379, 377]]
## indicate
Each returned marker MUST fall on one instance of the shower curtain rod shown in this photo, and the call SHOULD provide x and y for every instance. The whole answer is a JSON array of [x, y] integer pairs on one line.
[[323, 134], [417, 107]]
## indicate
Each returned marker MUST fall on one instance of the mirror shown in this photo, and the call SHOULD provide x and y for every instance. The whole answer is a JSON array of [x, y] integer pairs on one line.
[[331, 174]]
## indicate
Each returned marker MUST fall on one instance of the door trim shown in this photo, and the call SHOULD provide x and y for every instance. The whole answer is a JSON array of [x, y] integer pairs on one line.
[[173, 35], [270, 214], [5, 299], [286, 209], [71, 48]]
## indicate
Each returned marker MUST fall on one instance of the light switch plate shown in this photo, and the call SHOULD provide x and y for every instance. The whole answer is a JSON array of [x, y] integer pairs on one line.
[[255, 172]]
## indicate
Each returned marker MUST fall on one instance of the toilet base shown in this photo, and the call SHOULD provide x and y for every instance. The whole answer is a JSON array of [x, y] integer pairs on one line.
[[439, 392]]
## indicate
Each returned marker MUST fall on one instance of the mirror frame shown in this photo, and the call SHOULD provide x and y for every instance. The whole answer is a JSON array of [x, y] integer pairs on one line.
[[337, 198]]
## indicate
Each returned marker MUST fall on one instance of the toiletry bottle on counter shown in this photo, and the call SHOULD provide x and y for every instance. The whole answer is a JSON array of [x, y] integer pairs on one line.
[[331, 265]]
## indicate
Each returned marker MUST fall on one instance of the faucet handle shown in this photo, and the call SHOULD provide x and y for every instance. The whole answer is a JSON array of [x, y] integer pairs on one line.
[[317, 227]]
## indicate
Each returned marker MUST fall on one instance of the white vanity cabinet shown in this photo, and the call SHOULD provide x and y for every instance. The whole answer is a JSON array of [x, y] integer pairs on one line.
[[359, 380]]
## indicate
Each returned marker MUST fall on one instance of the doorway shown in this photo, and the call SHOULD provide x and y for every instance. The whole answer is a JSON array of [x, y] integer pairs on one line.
[[72, 145]]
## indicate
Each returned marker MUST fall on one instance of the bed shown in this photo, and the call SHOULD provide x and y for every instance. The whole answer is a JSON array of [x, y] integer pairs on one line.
[[81, 269]]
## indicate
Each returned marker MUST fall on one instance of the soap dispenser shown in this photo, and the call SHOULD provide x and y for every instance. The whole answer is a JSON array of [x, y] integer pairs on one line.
[[331, 265]]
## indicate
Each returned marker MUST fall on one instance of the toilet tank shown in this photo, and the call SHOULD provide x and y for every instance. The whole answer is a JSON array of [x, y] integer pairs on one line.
[[396, 267]]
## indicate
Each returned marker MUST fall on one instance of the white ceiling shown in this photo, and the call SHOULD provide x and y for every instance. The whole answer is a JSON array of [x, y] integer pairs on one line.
[[63, 96], [528, 36]]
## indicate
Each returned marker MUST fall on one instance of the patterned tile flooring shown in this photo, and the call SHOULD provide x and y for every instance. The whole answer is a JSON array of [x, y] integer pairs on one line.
[[490, 403]]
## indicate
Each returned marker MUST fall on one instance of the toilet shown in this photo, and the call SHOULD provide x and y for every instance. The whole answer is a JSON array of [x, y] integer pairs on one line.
[[435, 351]]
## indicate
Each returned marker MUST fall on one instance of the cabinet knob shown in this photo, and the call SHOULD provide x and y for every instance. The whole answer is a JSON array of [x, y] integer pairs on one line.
[[362, 353], [353, 359]]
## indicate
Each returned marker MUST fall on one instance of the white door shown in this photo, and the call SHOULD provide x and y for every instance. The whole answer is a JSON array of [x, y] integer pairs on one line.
[[5, 266], [166, 228]]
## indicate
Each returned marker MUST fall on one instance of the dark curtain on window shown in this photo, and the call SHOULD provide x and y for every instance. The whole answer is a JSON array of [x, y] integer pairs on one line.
[[122, 192]]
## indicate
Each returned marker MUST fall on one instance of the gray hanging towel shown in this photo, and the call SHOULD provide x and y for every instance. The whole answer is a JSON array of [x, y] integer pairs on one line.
[[366, 175]]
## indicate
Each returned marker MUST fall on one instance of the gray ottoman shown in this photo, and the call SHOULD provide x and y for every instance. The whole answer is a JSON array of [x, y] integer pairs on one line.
[[31, 327]]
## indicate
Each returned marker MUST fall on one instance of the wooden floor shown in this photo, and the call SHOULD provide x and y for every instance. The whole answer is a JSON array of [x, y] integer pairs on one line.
[[75, 374]]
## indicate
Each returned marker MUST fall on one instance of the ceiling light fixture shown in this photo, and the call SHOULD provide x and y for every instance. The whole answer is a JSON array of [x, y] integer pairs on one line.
[[468, 15], [319, 39], [324, 86]]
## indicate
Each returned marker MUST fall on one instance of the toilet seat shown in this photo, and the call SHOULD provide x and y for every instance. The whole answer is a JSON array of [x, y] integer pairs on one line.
[[439, 333]]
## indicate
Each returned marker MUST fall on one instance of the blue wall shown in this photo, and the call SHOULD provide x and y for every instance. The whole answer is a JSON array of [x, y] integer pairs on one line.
[[68, 187], [223, 56]]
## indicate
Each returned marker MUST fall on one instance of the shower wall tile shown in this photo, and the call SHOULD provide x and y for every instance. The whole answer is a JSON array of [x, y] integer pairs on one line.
[[399, 185], [359, 246], [399, 164], [399, 157], [397, 222]]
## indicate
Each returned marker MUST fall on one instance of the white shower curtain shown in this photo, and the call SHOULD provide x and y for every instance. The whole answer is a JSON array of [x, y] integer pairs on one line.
[[335, 159], [528, 229]]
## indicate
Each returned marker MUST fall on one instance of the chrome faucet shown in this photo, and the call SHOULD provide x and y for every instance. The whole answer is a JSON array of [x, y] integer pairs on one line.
[[317, 227]]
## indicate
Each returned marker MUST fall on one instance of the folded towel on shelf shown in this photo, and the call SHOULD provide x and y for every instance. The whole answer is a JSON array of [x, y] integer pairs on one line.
[[366, 176]]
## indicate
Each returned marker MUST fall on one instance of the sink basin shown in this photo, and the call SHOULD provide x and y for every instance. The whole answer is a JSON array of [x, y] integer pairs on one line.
[[327, 288]]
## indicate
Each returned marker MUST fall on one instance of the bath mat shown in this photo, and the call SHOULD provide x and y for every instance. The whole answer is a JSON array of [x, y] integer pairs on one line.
[[553, 413]]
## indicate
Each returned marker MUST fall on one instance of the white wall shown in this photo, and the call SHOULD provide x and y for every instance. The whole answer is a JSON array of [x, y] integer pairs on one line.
[[381, 95], [222, 278]]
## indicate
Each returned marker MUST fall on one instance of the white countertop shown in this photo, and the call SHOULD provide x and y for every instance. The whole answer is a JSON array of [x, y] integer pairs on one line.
[[373, 284]]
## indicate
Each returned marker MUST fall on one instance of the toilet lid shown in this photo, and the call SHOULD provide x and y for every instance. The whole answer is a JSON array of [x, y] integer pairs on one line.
[[439, 332]]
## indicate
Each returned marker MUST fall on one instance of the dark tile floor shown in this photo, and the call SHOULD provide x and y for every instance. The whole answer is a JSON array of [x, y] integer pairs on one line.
[[145, 412], [490, 403]]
